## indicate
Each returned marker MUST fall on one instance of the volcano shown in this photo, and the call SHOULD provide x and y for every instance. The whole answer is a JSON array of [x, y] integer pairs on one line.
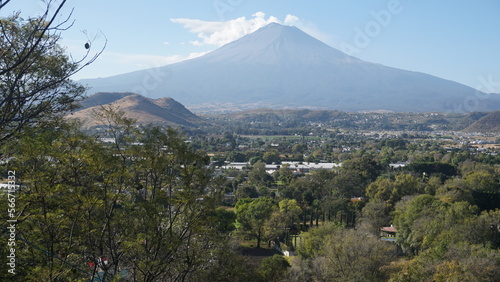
[[280, 66]]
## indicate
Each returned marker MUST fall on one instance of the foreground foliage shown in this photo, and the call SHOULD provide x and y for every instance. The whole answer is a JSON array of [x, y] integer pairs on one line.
[[148, 212]]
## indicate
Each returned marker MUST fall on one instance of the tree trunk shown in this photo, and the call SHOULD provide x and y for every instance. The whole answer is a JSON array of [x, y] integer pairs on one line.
[[317, 217], [259, 237], [305, 218]]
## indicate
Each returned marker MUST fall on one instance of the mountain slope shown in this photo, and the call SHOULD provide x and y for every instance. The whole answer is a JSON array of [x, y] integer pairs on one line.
[[281, 66], [165, 111], [487, 124]]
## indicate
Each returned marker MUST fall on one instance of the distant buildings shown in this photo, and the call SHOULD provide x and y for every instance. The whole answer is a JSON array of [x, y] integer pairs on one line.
[[398, 165], [296, 167]]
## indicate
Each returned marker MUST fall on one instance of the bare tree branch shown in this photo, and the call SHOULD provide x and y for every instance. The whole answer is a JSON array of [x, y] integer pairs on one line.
[[35, 71]]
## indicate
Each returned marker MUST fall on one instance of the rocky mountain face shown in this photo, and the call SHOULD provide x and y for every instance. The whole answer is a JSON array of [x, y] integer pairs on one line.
[[282, 67]]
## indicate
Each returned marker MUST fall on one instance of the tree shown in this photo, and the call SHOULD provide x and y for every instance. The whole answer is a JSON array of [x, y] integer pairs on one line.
[[273, 268], [235, 156], [339, 254], [433, 167], [224, 220], [290, 211], [299, 148], [412, 220], [425, 223], [252, 216], [365, 166], [272, 156], [482, 181], [354, 256], [35, 71], [258, 175], [459, 262], [484, 189], [375, 214], [246, 191], [392, 190], [283, 176], [314, 240], [283, 220]]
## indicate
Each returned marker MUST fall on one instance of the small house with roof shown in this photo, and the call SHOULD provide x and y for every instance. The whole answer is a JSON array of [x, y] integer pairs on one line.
[[388, 233]]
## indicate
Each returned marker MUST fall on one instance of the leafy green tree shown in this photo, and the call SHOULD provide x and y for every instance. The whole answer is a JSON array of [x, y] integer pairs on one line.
[[426, 222], [273, 268], [252, 216], [283, 176], [432, 185], [375, 214], [66, 203], [482, 181], [433, 168], [355, 176], [339, 254], [313, 241], [290, 210], [246, 191], [454, 190], [176, 199], [354, 256], [412, 220], [272, 156], [258, 175], [391, 191], [299, 148], [314, 193], [349, 184], [224, 220], [302, 190], [227, 265], [235, 156], [459, 262], [365, 166], [484, 189], [283, 220]]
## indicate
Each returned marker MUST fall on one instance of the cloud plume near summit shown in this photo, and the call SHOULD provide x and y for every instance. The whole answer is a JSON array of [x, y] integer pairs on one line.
[[219, 33]]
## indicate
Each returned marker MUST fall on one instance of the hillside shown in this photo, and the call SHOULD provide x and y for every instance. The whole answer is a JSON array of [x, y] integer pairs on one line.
[[164, 111], [487, 124]]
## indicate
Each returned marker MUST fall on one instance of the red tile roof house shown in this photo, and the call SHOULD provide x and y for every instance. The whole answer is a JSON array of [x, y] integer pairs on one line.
[[388, 233]]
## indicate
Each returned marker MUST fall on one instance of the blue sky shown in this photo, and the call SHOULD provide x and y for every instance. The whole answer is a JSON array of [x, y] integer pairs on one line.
[[456, 40]]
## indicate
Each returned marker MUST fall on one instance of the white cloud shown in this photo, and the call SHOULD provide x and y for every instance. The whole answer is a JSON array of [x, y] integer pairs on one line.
[[220, 33], [291, 19]]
